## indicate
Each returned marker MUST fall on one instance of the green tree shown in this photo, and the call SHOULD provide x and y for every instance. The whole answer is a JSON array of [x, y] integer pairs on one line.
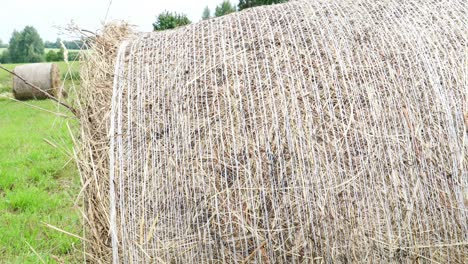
[[243, 4], [26, 46], [224, 8], [14, 49], [58, 43], [3, 45], [5, 57], [206, 13], [168, 20]]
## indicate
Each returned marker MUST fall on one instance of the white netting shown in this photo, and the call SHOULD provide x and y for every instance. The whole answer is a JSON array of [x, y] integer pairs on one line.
[[326, 130]]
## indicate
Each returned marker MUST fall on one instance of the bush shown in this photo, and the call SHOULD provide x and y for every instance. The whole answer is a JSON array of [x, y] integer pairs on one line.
[[59, 55], [51, 56]]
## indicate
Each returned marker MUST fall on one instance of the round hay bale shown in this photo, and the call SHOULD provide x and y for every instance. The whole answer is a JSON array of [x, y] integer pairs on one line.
[[43, 75], [313, 131]]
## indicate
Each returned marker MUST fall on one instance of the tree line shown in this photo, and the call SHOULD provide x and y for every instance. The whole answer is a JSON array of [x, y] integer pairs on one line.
[[171, 20], [27, 46], [70, 45]]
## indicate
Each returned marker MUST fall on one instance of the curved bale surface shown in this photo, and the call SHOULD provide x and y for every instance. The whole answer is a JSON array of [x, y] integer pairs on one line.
[[46, 76], [325, 131], [328, 131]]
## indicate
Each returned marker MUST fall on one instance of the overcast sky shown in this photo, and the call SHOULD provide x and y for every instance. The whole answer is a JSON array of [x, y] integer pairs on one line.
[[45, 15]]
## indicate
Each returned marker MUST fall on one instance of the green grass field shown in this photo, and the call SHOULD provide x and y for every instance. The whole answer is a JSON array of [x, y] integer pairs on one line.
[[39, 183]]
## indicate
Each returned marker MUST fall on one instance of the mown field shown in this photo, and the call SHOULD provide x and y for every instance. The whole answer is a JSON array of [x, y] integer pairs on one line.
[[39, 182]]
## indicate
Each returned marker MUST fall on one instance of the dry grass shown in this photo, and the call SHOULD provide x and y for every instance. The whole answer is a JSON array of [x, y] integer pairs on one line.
[[314, 131], [92, 153]]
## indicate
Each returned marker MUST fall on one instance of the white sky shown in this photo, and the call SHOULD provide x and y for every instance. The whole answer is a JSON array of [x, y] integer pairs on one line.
[[46, 15]]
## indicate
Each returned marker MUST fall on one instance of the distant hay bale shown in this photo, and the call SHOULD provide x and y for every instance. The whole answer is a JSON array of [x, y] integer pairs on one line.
[[46, 76], [325, 131]]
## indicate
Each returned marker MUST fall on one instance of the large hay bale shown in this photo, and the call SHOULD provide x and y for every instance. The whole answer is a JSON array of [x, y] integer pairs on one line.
[[313, 131], [45, 76]]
